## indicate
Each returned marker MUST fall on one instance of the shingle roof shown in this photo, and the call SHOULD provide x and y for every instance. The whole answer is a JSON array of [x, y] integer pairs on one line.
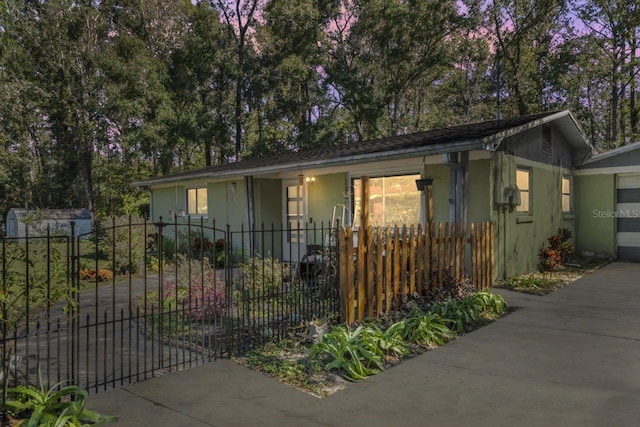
[[475, 132]]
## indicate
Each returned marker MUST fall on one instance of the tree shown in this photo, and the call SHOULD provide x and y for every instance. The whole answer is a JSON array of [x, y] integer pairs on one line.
[[614, 26], [525, 36], [381, 51], [240, 17]]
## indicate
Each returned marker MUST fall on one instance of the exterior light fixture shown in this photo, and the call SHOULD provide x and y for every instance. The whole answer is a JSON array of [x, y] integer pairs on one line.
[[422, 183]]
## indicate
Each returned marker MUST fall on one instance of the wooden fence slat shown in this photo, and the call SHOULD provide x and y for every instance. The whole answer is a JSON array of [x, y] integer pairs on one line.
[[404, 250], [362, 274], [388, 270], [379, 279], [395, 250], [441, 252], [371, 294], [419, 260], [412, 260]]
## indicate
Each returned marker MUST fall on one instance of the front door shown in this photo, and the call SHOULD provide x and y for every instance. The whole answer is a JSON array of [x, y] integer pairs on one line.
[[294, 220]]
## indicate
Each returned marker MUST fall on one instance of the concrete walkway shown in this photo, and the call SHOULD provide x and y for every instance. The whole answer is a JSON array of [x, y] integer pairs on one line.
[[571, 358]]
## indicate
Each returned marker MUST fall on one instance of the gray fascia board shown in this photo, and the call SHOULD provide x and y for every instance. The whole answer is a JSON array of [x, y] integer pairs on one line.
[[341, 161], [612, 153]]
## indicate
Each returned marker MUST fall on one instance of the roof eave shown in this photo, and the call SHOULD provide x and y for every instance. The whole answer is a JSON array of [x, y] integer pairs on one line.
[[435, 149]]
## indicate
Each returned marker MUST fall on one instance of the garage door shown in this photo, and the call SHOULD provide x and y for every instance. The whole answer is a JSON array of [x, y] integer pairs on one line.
[[628, 217]]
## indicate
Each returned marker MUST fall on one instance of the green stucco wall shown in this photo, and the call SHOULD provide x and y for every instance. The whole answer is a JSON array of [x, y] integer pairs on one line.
[[595, 232], [519, 237]]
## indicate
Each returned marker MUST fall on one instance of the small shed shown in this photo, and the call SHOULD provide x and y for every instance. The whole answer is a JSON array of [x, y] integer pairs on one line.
[[58, 221]]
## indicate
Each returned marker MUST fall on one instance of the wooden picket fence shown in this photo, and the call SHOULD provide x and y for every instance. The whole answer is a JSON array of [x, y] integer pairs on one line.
[[386, 264]]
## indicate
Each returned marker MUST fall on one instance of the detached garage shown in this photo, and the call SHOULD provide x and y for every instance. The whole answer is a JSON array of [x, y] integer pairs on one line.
[[57, 222], [608, 204]]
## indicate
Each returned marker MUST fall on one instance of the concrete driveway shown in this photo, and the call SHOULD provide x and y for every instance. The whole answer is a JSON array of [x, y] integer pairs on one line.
[[571, 358]]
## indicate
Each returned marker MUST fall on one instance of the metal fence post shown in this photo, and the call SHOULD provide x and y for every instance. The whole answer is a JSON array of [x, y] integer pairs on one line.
[[160, 225], [75, 289]]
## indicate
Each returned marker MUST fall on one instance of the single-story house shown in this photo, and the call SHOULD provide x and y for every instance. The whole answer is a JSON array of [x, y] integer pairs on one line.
[[608, 202], [517, 172], [56, 221]]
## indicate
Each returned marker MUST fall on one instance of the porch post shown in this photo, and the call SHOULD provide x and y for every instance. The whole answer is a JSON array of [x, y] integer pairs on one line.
[[452, 161]]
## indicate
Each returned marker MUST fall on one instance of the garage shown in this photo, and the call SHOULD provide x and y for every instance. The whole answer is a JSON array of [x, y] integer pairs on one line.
[[628, 217], [607, 200]]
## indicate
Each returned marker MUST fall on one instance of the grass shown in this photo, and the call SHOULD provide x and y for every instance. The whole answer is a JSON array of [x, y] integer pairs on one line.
[[545, 283]]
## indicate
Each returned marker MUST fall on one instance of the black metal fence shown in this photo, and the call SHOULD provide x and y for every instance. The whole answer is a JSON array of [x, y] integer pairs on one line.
[[134, 299]]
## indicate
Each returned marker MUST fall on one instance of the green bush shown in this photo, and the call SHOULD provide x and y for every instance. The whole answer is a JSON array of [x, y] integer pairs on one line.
[[263, 275], [124, 245]]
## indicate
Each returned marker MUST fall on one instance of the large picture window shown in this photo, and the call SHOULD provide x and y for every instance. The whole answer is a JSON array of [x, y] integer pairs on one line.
[[197, 201], [523, 181], [393, 200]]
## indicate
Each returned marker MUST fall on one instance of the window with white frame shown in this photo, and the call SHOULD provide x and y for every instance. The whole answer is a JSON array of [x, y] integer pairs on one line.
[[197, 201], [523, 181], [567, 190], [393, 200]]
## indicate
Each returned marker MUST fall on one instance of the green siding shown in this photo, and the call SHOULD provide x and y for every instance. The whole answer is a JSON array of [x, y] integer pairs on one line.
[[326, 192], [440, 190], [165, 200], [268, 203], [479, 192], [518, 237], [595, 231]]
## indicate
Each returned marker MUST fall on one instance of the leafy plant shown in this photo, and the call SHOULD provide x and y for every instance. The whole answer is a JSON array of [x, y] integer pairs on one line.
[[350, 352], [124, 245], [556, 254], [390, 342], [56, 406], [263, 275], [101, 275], [490, 302], [451, 288], [459, 314], [426, 329]]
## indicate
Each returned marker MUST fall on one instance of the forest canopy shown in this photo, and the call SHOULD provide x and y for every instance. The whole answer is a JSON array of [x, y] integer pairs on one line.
[[96, 94]]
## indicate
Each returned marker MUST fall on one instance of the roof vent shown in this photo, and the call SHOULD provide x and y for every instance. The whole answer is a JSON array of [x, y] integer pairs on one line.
[[546, 140]]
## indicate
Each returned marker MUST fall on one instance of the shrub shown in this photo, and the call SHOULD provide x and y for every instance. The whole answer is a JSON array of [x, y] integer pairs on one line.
[[451, 288], [124, 245], [101, 275], [202, 299], [556, 254], [263, 275]]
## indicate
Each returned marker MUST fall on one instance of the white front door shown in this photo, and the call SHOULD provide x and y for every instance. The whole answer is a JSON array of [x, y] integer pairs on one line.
[[294, 220]]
